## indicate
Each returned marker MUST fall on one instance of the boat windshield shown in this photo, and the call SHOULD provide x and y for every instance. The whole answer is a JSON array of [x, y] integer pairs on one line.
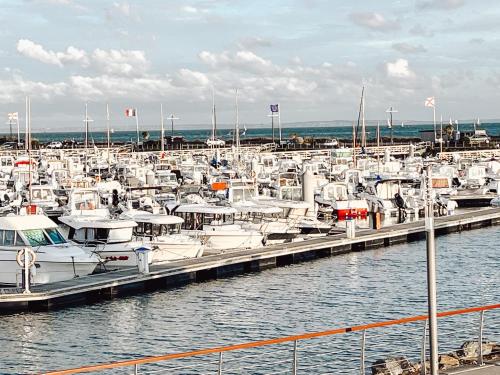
[[36, 237], [55, 236]]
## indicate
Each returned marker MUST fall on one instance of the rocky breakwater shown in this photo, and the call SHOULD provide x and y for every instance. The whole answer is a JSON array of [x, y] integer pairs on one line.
[[467, 355]]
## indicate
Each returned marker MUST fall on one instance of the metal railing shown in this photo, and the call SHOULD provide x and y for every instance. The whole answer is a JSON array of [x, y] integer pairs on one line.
[[318, 352]]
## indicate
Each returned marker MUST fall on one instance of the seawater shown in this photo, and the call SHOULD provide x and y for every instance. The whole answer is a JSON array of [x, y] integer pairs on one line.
[[355, 288], [305, 130]]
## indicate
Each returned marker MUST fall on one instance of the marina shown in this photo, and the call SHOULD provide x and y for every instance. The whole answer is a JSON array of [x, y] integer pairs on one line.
[[261, 188], [129, 281]]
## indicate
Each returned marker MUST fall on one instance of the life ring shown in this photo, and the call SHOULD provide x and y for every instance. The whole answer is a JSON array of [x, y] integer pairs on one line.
[[31, 257]]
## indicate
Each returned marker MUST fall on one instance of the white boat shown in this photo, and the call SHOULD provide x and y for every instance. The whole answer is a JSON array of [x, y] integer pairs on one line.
[[215, 224], [267, 220], [334, 196], [56, 259], [110, 238], [162, 234]]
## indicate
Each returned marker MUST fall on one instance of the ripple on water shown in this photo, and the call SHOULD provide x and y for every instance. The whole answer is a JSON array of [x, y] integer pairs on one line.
[[344, 290]]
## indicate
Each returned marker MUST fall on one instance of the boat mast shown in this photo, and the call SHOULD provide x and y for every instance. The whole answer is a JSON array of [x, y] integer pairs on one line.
[[28, 104], [237, 127], [214, 119], [363, 125], [162, 130], [109, 137]]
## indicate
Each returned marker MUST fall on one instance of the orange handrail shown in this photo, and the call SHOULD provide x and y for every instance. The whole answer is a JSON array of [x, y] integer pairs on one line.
[[255, 344]]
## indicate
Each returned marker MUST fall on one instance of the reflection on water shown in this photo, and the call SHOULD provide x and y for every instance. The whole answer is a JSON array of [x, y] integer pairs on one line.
[[344, 290]]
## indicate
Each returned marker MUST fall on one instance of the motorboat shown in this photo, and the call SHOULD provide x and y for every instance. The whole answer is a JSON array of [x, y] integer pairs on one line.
[[112, 239], [162, 233], [56, 259], [216, 226]]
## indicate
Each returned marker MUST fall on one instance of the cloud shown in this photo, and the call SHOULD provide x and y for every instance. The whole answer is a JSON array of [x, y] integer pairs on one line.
[[373, 21], [439, 4], [250, 43], [118, 62], [36, 51], [16, 88], [408, 48], [399, 69], [242, 60]]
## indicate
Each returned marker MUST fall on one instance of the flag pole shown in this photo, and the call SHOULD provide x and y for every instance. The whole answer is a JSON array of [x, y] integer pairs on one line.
[[137, 125], [279, 120]]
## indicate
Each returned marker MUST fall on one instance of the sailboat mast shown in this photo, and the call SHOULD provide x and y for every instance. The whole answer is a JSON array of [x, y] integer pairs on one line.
[[363, 125], [86, 127], [162, 132], [237, 130], [109, 140], [214, 119]]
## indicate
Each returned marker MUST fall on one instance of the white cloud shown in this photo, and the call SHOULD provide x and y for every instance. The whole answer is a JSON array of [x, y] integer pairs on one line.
[[120, 62], [16, 88], [36, 51], [247, 61], [399, 69], [373, 21]]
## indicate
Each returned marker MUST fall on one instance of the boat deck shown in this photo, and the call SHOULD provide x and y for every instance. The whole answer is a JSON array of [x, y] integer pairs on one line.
[[128, 281]]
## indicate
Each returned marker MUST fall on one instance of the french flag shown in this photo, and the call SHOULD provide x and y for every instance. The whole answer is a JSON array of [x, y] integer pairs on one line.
[[130, 112]]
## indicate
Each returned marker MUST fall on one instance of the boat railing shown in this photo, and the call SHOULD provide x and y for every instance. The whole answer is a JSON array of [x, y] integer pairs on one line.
[[354, 349]]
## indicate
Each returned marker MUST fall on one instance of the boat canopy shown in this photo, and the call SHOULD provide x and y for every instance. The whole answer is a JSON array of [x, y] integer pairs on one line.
[[96, 222], [156, 219], [27, 222], [205, 209], [250, 207]]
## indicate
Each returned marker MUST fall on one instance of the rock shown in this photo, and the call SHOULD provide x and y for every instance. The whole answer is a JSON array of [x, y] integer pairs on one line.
[[393, 366], [470, 349], [447, 361]]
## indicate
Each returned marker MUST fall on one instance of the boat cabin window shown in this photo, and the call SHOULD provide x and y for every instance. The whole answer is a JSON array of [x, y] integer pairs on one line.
[[7, 162], [36, 237], [10, 238], [41, 194], [154, 230], [89, 234], [55, 236]]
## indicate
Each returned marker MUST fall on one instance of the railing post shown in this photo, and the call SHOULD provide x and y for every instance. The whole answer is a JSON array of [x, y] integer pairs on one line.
[[219, 372], [363, 346], [294, 363], [481, 326], [422, 355], [136, 369]]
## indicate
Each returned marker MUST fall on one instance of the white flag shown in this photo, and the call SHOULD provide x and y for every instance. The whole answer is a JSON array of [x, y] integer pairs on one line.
[[430, 102], [13, 116]]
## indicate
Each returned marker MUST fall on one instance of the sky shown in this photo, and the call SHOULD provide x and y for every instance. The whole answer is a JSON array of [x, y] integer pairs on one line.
[[311, 56]]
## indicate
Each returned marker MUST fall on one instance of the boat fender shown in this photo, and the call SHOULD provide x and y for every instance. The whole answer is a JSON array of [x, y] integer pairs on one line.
[[31, 257]]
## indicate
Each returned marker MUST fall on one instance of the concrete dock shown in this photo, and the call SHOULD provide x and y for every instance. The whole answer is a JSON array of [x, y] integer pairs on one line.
[[128, 281]]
